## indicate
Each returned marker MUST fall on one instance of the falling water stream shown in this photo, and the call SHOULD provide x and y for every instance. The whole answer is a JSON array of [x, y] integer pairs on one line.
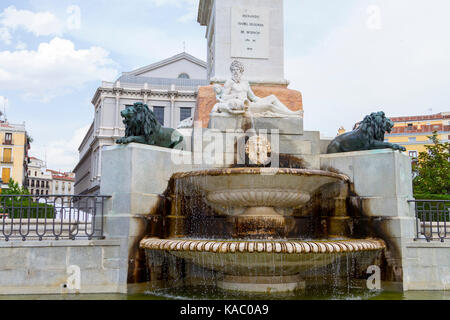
[[195, 275]]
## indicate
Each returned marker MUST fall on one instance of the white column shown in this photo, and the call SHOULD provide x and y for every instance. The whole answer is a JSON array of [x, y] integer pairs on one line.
[[145, 93], [99, 171], [117, 111], [172, 106]]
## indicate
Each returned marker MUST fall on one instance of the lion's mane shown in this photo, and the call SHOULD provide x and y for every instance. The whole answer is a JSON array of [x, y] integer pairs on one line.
[[143, 123], [374, 126], [369, 134]]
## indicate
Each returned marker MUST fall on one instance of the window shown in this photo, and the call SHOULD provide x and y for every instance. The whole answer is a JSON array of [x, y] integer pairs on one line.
[[35, 173], [412, 139], [46, 192], [410, 126], [6, 175], [32, 191], [8, 138], [185, 113], [183, 76], [7, 152], [159, 114], [413, 154], [42, 184], [37, 192], [32, 183], [46, 185]]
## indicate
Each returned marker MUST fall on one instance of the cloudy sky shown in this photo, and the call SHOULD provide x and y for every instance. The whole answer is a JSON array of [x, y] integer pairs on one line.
[[347, 57]]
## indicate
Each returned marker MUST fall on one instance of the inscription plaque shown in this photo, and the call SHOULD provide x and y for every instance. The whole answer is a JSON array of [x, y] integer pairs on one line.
[[250, 32]]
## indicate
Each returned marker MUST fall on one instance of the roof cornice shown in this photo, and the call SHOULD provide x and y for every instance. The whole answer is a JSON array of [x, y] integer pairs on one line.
[[204, 12], [167, 61]]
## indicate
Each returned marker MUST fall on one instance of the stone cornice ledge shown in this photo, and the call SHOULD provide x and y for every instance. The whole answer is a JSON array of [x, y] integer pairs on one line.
[[283, 82], [59, 243]]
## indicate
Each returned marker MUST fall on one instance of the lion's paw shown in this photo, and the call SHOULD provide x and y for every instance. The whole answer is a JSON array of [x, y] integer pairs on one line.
[[399, 147]]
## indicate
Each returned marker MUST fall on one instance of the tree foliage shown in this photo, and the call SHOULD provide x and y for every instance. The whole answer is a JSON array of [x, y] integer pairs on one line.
[[433, 168], [17, 203], [15, 189]]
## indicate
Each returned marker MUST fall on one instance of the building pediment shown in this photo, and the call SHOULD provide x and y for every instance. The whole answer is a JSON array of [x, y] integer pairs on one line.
[[185, 57]]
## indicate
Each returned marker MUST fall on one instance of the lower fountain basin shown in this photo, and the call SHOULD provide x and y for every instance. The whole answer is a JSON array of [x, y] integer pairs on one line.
[[262, 266]]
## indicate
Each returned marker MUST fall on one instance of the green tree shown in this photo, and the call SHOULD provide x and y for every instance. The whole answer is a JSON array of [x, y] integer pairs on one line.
[[433, 168], [16, 202], [15, 189]]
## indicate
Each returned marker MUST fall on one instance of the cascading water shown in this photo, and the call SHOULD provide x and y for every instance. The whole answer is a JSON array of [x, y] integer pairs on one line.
[[234, 229]]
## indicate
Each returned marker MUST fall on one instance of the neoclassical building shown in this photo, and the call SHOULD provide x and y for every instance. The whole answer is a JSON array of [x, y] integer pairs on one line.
[[170, 89]]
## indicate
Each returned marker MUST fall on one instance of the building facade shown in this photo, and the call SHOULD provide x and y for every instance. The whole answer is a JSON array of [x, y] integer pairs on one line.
[[63, 183], [43, 181], [168, 87], [39, 180], [412, 132], [14, 153]]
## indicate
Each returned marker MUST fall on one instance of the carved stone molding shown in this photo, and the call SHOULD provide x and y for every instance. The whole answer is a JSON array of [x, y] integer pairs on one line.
[[252, 246]]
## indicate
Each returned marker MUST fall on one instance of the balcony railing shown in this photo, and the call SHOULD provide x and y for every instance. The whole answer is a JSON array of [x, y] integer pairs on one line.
[[432, 219], [51, 217]]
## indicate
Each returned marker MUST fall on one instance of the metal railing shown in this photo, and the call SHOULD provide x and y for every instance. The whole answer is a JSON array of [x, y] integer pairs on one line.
[[51, 217], [432, 219]]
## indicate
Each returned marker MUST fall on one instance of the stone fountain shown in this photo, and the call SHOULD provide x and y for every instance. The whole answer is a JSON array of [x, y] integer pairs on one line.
[[280, 212], [258, 202]]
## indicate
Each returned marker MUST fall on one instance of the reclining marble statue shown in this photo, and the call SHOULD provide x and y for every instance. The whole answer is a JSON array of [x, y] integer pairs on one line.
[[141, 126], [237, 98]]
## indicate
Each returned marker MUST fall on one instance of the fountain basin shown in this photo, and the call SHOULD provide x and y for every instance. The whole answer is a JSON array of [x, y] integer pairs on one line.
[[258, 199], [262, 266]]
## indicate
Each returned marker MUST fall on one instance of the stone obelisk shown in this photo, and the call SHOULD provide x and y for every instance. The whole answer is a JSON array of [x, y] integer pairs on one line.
[[251, 31]]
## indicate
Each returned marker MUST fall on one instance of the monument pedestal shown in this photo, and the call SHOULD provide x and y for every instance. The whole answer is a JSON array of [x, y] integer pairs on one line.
[[136, 177], [206, 100]]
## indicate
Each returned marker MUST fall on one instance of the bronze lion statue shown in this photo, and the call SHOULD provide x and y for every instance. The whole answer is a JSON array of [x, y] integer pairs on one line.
[[141, 126], [368, 135]]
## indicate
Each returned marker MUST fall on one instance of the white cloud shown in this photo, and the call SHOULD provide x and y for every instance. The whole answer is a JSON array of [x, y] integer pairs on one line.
[[38, 23], [5, 35], [189, 5], [402, 68], [4, 102], [57, 67], [61, 154], [21, 45]]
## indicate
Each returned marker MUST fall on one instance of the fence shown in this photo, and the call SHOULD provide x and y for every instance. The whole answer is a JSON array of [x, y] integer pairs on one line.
[[432, 219], [48, 217]]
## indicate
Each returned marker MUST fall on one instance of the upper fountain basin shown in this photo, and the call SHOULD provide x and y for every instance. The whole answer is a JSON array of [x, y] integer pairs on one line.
[[245, 188]]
